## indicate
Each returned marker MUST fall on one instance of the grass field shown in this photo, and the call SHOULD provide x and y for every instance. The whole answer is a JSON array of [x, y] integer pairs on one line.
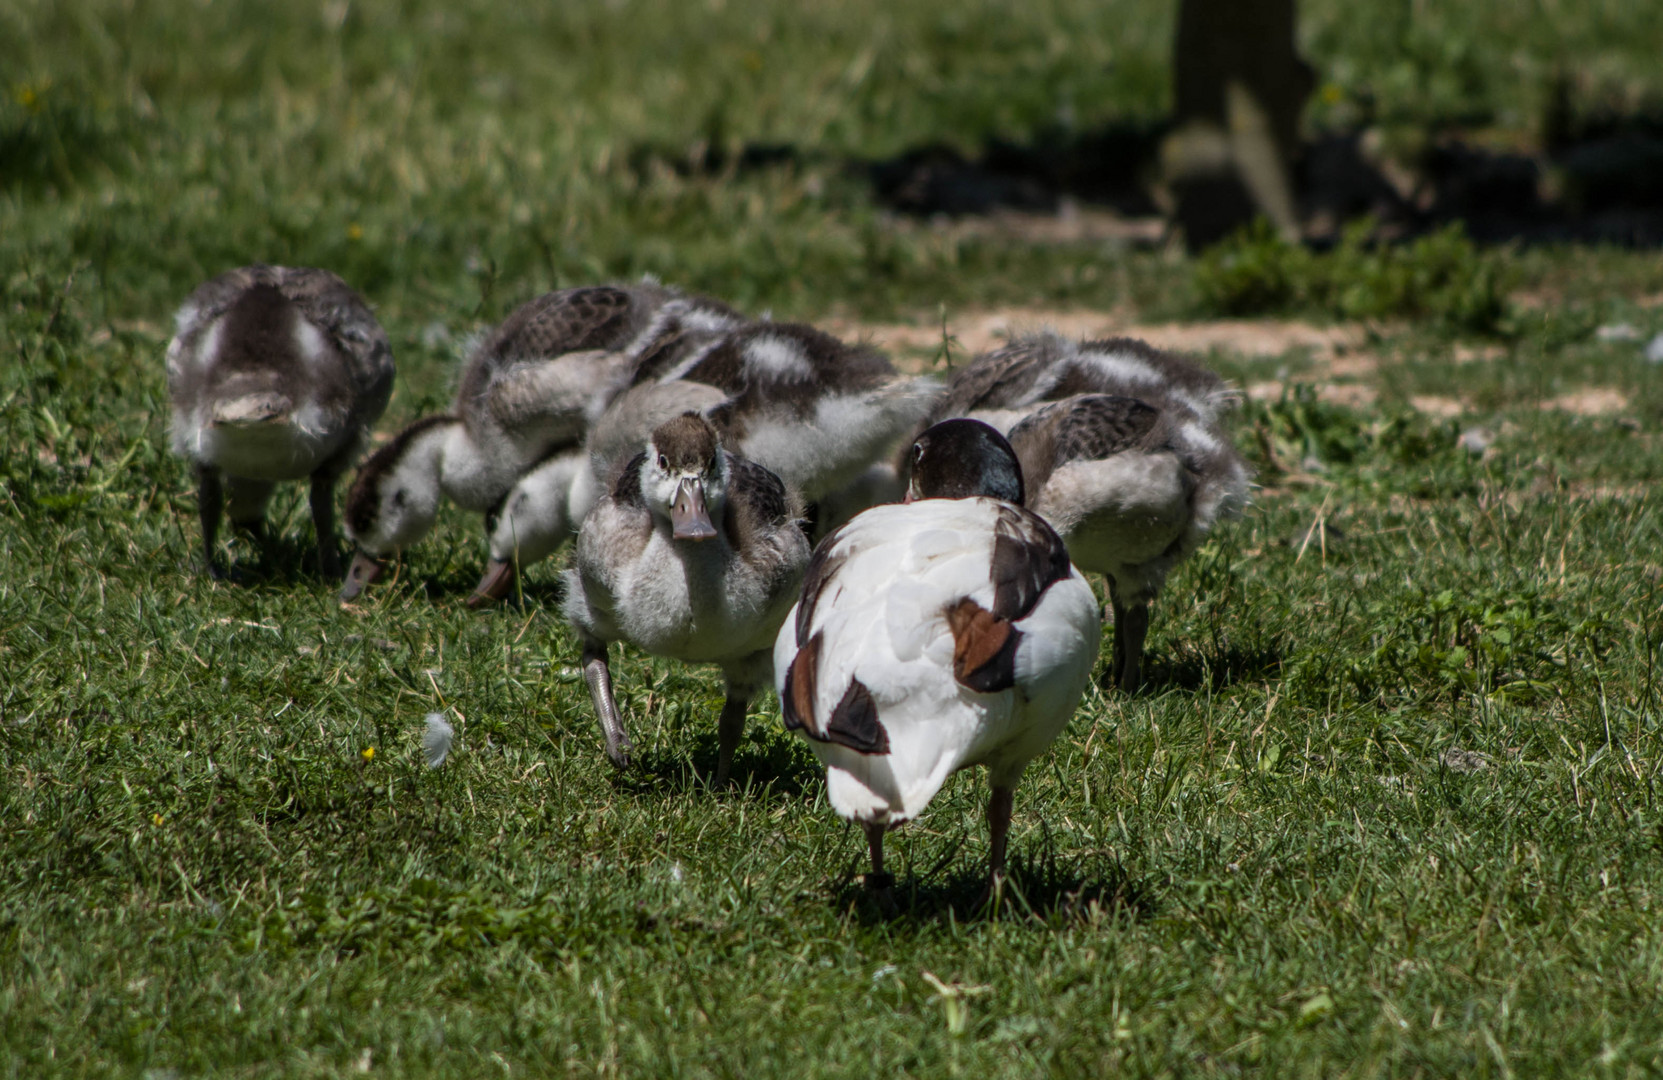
[[1387, 808]]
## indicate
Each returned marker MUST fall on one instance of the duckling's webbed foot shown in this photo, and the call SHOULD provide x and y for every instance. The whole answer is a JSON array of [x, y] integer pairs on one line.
[[1131, 626], [599, 677]]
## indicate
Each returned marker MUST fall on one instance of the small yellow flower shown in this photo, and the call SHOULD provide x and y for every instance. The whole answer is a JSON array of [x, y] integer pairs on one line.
[[355, 231], [1332, 94], [368, 754], [156, 819]]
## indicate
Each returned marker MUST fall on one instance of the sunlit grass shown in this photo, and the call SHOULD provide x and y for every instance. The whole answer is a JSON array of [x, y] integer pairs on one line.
[[1386, 808]]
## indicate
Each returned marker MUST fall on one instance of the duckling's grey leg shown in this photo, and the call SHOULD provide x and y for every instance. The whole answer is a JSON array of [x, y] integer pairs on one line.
[[877, 882], [323, 523], [1131, 626], [729, 730], [599, 677], [210, 503]]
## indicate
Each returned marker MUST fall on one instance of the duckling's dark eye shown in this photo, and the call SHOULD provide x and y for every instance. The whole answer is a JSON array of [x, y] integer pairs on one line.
[[663, 463]]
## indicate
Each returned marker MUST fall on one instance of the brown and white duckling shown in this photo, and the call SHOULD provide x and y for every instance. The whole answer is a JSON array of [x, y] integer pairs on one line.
[[1125, 454], [529, 389], [274, 373], [817, 412], [694, 554], [941, 633]]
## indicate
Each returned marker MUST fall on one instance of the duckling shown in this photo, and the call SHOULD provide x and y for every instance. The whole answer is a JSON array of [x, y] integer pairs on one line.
[[528, 390], [1125, 454], [940, 633], [813, 410], [274, 373], [694, 553]]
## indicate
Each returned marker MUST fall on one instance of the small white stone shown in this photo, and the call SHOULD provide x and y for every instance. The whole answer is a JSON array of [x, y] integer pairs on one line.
[[1654, 351]]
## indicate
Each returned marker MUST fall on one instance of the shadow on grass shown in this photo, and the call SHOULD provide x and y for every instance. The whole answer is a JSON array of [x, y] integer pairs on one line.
[[272, 559], [770, 768], [1046, 889], [1192, 668]]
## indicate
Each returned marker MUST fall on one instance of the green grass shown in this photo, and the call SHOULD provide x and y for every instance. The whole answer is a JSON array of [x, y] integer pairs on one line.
[[1271, 863]]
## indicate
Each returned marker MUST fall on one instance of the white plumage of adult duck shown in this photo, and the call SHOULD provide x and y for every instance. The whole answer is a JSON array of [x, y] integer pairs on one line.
[[694, 554], [1124, 451], [944, 632], [274, 373], [528, 392], [817, 412]]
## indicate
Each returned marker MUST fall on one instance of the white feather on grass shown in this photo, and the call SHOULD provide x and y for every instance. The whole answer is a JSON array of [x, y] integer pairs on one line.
[[437, 739]]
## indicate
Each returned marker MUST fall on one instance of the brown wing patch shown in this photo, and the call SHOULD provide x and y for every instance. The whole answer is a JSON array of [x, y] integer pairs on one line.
[[984, 648], [1028, 557], [854, 723], [797, 702]]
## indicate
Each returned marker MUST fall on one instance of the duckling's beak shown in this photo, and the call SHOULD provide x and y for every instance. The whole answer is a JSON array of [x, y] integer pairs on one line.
[[364, 570], [689, 518], [497, 583]]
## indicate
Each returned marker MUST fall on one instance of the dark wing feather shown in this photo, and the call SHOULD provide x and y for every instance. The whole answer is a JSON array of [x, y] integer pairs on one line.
[[1028, 558], [757, 500], [626, 486], [1089, 427], [996, 380], [591, 317], [854, 722]]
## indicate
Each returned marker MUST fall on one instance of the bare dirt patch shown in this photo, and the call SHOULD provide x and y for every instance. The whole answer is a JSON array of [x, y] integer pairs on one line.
[[1594, 401], [1334, 347], [1445, 408]]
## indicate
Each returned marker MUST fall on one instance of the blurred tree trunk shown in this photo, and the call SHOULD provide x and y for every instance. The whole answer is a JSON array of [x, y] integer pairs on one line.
[[1240, 89]]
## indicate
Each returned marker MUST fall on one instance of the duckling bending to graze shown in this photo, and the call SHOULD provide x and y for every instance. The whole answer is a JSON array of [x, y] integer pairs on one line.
[[694, 554], [274, 373], [528, 390], [813, 410], [937, 634], [1125, 454]]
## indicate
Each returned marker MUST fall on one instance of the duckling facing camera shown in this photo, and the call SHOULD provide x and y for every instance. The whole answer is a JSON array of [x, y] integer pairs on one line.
[[695, 554], [274, 373]]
